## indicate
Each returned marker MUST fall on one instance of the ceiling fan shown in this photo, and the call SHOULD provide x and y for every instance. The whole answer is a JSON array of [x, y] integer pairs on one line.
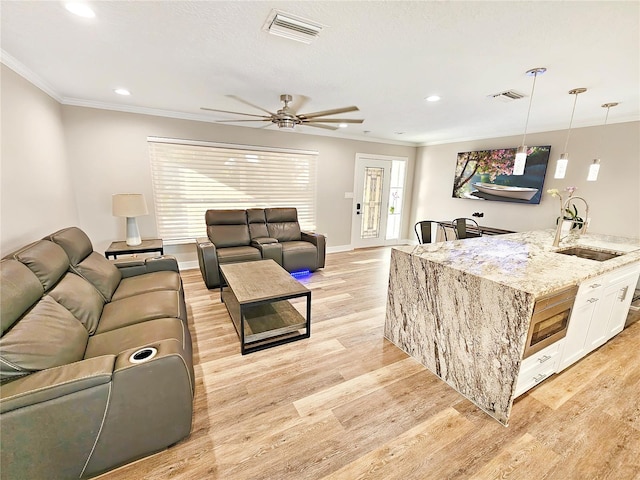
[[286, 118]]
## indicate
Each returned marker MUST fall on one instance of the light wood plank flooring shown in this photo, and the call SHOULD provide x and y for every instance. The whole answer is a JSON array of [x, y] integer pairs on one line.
[[347, 404]]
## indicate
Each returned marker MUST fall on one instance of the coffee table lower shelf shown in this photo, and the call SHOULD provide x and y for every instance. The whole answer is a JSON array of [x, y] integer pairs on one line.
[[267, 323]]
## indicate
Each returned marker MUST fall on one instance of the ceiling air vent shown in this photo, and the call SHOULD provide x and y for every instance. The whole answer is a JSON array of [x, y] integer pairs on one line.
[[292, 27], [507, 96]]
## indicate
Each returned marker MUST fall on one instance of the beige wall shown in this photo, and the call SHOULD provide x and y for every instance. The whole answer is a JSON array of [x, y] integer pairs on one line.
[[614, 199], [61, 164], [37, 197], [108, 154]]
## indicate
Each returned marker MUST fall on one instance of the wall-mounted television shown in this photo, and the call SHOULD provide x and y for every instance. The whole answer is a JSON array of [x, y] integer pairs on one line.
[[487, 175]]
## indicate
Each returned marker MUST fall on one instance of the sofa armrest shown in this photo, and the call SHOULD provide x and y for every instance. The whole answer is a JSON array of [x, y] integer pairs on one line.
[[263, 241], [208, 261], [269, 248], [52, 419], [130, 267], [150, 407], [56, 382], [319, 241]]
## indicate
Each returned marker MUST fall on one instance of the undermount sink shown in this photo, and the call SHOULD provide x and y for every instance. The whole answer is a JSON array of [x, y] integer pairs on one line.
[[589, 253]]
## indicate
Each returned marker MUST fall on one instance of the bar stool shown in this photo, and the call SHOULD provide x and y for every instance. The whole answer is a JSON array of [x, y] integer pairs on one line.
[[461, 228], [423, 231]]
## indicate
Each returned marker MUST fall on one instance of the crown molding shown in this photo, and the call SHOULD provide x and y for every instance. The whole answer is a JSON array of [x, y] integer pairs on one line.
[[155, 112], [26, 73], [36, 80]]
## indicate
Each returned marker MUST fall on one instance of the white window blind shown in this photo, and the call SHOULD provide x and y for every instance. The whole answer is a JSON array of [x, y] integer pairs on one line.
[[191, 177]]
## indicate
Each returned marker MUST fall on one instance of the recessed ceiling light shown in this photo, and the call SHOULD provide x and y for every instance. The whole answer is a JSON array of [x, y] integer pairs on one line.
[[122, 91], [432, 98], [81, 9], [343, 125]]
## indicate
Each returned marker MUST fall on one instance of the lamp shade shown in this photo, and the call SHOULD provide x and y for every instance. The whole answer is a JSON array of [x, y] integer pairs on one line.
[[129, 205]]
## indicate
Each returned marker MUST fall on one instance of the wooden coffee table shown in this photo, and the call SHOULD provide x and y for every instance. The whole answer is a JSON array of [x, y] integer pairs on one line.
[[256, 295]]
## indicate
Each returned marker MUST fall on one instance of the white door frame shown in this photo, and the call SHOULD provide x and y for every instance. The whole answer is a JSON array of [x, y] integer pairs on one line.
[[358, 179]]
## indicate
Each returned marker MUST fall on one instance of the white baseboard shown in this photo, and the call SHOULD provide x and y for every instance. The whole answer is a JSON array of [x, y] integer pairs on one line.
[[191, 265], [339, 248]]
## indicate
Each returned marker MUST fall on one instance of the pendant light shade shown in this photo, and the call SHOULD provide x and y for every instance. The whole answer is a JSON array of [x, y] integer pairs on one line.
[[521, 154], [594, 168], [563, 161]]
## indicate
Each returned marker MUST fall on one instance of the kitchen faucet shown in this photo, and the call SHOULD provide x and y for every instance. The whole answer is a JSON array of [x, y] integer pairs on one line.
[[556, 240]]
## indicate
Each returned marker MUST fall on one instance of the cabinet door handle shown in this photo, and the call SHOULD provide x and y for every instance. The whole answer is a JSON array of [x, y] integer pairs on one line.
[[595, 285], [623, 293], [544, 359], [591, 300], [538, 378]]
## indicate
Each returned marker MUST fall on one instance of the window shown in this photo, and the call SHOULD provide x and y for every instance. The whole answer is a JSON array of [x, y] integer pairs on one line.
[[191, 177], [395, 199]]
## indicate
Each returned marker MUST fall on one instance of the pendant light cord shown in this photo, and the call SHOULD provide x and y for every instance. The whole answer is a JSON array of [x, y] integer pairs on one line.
[[566, 143], [604, 127], [526, 124]]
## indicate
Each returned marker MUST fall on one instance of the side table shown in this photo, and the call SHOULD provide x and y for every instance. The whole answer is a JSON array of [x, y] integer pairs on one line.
[[147, 246]]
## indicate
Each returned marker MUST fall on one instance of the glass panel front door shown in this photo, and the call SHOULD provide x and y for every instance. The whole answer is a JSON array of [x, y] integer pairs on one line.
[[372, 202]]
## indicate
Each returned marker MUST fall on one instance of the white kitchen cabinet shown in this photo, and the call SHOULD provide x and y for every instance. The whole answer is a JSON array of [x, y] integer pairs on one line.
[[619, 294], [599, 313], [538, 367], [576, 343]]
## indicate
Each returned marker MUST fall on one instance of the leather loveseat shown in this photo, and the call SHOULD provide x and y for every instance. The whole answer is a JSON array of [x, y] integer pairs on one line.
[[256, 234], [95, 360]]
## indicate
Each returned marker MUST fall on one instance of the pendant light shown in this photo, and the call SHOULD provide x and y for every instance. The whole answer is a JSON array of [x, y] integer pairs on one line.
[[594, 168], [561, 164], [521, 152]]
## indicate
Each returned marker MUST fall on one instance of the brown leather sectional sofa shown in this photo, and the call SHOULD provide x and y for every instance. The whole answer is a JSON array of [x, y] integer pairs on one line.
[[95, 360], [256, 234]]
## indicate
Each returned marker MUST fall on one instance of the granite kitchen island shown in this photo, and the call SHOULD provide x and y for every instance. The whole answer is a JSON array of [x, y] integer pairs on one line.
[[463, 308]]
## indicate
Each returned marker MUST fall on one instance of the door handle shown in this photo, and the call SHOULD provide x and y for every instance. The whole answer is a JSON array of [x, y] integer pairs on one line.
[[538, 378], [623, 293], [544, 358], [357, 209]]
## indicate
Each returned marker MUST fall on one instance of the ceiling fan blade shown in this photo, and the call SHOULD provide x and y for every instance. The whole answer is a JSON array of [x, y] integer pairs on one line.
[[241, 100], [235, 113], [317, 125], [244, 120], [304, 116], [335, 120], [298, 102]]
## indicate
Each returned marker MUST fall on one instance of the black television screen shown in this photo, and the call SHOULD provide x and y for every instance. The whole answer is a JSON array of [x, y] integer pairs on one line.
[[487, 175]]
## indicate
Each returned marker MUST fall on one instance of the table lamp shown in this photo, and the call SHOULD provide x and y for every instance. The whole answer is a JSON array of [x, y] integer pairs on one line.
[[130, 205]]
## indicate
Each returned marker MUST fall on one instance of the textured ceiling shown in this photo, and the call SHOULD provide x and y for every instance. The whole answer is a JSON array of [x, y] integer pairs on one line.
[[384, 57]]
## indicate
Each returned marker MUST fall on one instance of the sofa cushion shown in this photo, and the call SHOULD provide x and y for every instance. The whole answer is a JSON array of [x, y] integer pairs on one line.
[[81, 298], [47, 260], [227, 228], [147, 282], [238, 254], [136, 336], [101, 273], [138, 309], [257, 223], [47, 336], [297, 256], [74, 242], [282, 223], [19, 290]]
